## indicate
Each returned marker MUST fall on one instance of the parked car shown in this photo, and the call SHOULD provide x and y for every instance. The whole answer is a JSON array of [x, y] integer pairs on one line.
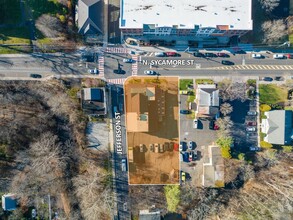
[[198, 54], [185, 112], [251, 123], [125, 206], [93, 71], [279, 56], [279, 78], [257, 56], [250, 129], [156, 148], [33, 75], [223, 55], [141, 148], [161, 148], [128, 61], [254, 148], [289, 56], [191, 144], [160, 54], [195, 123], [195, 155], [123, 165], [251, 113], [227, 62], [269, 79], [181, 146], [210, 55], [119, 71], [212, 124], [149, 72], [172, 54], [190, 156], [171, 146], [183, 177], [240, 52], [166, 146], [251, 134], [152, 149]]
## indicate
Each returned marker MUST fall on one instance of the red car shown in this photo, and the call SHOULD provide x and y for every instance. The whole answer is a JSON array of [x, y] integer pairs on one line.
[[251, 123], [222, 55], [289, 56], [216, 127], [172, 54]]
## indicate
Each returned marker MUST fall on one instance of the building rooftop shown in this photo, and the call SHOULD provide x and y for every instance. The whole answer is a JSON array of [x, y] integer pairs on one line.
[[149, 215], [236, 14]]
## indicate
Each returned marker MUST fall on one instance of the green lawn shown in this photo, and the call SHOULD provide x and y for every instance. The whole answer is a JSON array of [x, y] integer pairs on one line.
[[271, 94], [183, 83], [40, 7], [14, 35], [15, 49], [10, 12]]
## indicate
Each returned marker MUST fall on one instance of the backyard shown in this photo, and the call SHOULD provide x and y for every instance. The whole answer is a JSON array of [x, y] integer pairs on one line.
[[272, 94]]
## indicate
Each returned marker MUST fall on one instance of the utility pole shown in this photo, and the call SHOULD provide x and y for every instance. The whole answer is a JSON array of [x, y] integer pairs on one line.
[[49, 201]]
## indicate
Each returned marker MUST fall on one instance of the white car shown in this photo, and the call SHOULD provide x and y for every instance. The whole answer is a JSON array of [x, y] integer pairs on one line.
[[123, 165], [251, 129], [278, 56], [160, 54], [257, 56], [128, 61], [149, 72], [156, 148], [190, 145], [254, 148], [93, 71], [195, 123]]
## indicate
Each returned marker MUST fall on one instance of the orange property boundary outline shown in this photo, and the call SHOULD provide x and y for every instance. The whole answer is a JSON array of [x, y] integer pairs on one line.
[[152, 125]]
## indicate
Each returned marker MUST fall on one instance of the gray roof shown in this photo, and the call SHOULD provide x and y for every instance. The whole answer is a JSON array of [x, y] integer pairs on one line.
[[90, 16], [209, 97], [93, 94], [278, 127], [148, 215]]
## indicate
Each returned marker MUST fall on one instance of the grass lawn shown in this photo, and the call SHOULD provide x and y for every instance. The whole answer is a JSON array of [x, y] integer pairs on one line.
[[15, 49], [271, 94], [10, 12], [40, 7], [204, 81], [14, 35], [183, 83]]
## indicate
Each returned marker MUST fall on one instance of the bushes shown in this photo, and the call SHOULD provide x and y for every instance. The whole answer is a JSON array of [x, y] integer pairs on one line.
[[172, 194], [287, 149], [264, 108], [266, 145], [225, 145]]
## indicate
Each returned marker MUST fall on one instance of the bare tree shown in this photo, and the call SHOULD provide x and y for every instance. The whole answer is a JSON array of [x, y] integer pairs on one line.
[[232, 90], [49, 26], [226, 108], [274, 31], [269, 5]]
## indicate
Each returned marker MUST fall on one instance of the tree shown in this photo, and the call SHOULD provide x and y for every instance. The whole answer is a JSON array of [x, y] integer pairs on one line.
[[264, 108], [269, 5], [266, 145], [232, 90], [274, 31], [226, 152], [224, 141], [172, 194], [226, 108], [241, 156], [287, 149], [49, 26]]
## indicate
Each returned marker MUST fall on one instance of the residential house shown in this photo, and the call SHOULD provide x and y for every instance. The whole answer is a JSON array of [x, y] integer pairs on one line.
[[207, 100], [89, 17], [213, 167], [149, 215], [278, 127], [94, 101], [8, 202]]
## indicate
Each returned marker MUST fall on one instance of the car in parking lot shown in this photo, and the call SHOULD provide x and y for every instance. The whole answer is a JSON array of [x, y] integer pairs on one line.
[[128, 61], [279, 56], [123, 165], [250, 129], [191, 144], [149, 72], [253, 148], [289, 56], [185, 112], [93, 71], [257, 56], [181, 146], [152, 149], [268, 79], [119, 71], [156, 148], [195, 123], [171, 146], [198, 54], [34, 75], [223, 55], [251, 123], [161, 148], [141, 148], [190, 156], [251, 113], [251, 134], [183, 176], [210, 55], [227, 62]]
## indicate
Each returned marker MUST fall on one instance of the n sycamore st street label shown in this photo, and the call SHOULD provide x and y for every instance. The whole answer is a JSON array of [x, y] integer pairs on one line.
[[168, 62], [118, 133]]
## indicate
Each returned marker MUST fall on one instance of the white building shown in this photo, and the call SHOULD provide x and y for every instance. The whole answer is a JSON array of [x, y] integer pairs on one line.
[[200, 18]]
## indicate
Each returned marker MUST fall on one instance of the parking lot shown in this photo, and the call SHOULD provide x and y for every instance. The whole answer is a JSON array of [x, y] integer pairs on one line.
[[201, 138]]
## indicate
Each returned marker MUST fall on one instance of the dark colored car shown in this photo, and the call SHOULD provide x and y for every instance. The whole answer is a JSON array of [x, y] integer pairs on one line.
[[279, 78], [251, 123], [240, 52], [33, 75], [227, 62], [185, 112], [171, 146], [223, 55], [210, 55], [167, 145], [269, 79], [212, 124], [172, 54], [119, 71], [198, 54]]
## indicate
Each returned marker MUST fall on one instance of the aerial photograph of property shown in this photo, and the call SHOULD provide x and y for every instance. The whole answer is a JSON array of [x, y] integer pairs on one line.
[[146, 110]]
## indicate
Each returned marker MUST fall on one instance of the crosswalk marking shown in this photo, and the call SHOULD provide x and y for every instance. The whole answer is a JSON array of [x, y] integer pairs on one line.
[[254, 67], [115, 50], [117, 81], [149, 54], [134, 65], [101, 62]]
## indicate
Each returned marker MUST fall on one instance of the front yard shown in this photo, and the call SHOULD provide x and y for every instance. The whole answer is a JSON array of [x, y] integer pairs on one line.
[[272, 94]]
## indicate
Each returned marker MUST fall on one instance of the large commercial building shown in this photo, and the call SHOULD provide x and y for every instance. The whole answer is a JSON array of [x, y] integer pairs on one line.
[[178, 22]]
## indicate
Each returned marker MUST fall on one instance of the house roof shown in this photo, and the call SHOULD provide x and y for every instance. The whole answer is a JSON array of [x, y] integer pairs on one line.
[[8, 202], [148, 215], [93, 94], [278, 127], [89, 16], [209, 97]]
